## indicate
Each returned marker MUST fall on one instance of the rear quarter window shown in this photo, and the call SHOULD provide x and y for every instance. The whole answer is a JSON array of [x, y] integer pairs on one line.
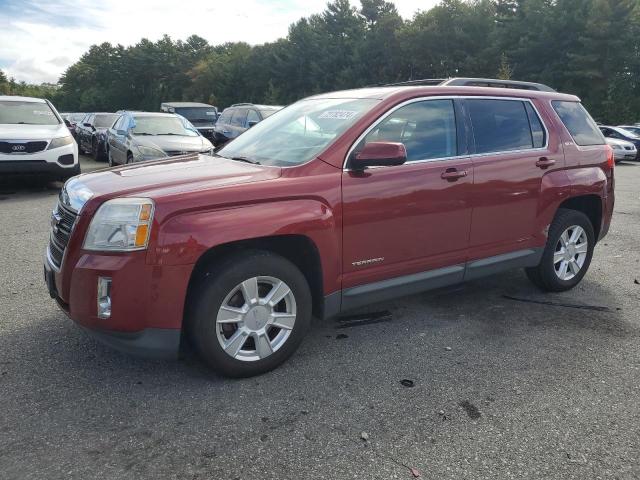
[[581, 126]]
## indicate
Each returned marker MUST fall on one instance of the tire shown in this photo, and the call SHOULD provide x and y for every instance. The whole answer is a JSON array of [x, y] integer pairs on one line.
[[110, 159], [129, 158], [226, 285], [563, 264]]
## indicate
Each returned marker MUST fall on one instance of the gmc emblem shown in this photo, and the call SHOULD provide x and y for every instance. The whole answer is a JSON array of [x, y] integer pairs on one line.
[[18, 148]]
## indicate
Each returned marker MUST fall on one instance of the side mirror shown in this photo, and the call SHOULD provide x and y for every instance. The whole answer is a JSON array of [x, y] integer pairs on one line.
[[86, 124], [251, 123], [379, 154]]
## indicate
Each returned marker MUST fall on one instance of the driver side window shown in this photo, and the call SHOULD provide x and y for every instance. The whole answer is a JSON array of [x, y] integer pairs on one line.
[[427, 129]]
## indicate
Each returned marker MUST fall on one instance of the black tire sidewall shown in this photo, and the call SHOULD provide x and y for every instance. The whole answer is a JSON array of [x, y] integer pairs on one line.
[[565, 219], [212, 291]]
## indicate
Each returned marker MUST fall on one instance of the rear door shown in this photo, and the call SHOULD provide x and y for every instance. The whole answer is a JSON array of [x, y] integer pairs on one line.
[[511, 152], [412, 218]]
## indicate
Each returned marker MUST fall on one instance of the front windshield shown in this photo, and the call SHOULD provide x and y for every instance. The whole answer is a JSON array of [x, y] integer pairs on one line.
[[628, 133], [198, 114], [15, 112], [298, 133], [104, 121], [163, 125]]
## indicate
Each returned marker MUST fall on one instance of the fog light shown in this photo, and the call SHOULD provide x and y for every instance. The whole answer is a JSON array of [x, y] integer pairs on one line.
[[104, 297]]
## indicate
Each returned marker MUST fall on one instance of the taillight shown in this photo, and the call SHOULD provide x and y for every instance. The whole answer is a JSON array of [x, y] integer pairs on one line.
[[611, 161]]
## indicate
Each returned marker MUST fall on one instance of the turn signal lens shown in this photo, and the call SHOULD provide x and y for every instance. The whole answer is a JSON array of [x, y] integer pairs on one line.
[[611, 161], [142, 233]]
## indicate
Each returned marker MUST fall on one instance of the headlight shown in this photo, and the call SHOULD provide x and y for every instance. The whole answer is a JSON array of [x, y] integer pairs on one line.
[[121, 225], [150, 151], [60, 142], [616, 147]]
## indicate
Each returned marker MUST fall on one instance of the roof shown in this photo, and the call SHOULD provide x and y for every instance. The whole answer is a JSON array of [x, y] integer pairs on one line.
[[15, 98], [186, 104], [146, 114], [384, 93], [259, 107]]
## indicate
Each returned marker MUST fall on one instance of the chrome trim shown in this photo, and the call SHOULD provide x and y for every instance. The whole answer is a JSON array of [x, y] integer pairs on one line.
[[448, 97]]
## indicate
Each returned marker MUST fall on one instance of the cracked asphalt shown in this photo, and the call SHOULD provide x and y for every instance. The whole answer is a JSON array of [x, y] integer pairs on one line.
[[502, 387]]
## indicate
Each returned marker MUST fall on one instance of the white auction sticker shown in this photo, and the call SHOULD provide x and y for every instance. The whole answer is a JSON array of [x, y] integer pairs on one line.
[[338, 114]]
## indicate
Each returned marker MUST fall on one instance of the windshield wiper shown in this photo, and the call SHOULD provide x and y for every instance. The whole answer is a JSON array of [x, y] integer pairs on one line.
[[244, 159]]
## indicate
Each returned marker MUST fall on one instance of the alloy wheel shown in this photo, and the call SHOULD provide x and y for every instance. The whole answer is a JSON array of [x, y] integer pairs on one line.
[[570, 252], [256, 318]]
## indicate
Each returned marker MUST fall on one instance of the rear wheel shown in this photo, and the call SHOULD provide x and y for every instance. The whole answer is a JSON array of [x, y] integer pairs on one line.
[[110, 159], [129, 158], [250, 314], [568, 252]]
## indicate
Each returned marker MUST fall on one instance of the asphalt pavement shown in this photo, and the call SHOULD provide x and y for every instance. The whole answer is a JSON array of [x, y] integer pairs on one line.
[[492, 379]]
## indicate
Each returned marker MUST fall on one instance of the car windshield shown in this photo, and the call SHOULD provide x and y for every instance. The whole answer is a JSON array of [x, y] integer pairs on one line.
[[628, 133], [16, 112], [163, 125], [299, 132], [104, 121], [198, 114]]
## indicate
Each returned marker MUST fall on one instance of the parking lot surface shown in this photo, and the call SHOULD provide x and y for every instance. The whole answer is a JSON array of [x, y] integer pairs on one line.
[[492, 379]]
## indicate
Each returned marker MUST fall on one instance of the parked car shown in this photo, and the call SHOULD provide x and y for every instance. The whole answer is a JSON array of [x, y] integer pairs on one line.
[[201, 115], [620, 134], [35, 140], [338, 201], [92, 134], [635, 129], [140, 136], [622, 150], [239, 118], [72, 120]]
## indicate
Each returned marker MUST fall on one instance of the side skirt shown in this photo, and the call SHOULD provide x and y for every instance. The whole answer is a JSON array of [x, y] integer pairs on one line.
[[355, 297]]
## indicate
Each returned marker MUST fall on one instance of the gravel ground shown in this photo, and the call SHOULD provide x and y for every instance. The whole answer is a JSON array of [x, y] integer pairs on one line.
[[502, 388]]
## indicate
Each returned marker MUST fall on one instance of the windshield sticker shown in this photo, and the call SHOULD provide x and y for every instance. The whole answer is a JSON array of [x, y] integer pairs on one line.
[[339, 114]]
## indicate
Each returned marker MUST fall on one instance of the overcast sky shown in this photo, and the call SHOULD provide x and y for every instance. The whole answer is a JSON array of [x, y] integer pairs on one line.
[[39, 39]]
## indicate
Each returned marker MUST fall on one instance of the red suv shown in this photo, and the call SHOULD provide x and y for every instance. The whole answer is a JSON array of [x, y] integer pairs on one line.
[[335, 202]]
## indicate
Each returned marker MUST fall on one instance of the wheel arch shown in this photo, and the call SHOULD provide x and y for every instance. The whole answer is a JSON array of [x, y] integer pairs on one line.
[[297, 248], [590, 205]]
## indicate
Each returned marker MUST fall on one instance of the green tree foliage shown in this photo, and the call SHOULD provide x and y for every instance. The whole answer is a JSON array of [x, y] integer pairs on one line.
[[587, 47]]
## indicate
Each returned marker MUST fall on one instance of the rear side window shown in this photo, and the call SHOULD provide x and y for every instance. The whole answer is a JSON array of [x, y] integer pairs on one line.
[[579, 123], [537, 130], [427, 130], [500, 125]]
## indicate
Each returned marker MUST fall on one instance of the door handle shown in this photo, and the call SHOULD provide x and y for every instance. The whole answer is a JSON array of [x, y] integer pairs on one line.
[[453, 174], [545, 162]]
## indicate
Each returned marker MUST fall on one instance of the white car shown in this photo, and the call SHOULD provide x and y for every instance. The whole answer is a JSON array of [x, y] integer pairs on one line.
[[622, 150], [35, 140]]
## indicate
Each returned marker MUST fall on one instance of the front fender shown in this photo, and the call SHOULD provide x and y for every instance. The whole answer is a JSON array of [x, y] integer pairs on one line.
[[183, 238]]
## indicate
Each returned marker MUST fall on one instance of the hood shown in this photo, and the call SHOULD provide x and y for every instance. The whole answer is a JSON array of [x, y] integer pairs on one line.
[[620, 143], [171, 176], [32, 132], [171, 143]]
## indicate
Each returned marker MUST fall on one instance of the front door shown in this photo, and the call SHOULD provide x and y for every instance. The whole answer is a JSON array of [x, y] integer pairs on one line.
[[407, 225]]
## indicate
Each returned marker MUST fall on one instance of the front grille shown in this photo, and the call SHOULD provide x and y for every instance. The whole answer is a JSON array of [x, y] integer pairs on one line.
[[62, 222], [22, 147]]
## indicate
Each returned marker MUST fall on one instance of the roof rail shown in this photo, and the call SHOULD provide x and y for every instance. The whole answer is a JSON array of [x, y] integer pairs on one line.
[[476, 82]]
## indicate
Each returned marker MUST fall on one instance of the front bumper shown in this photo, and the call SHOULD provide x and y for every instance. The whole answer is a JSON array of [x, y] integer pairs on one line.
[[620, 155], [57, 163], [147, 301]]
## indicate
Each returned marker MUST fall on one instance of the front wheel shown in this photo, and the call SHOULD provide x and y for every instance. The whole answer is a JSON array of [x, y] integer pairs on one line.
[[567, 254], [249, 314]]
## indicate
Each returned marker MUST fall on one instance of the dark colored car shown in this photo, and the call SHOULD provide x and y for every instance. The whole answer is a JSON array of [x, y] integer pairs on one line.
[[200, 115], [620, 133], [91, 134], [71, 120], [142, 136], [239, 118], [337, 202]]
